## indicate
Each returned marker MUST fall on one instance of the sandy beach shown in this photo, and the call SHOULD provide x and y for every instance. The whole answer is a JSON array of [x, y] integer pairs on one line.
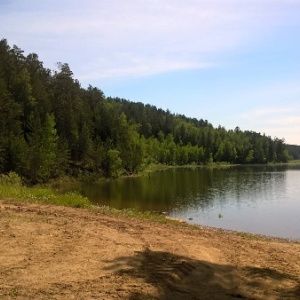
[[52, 252]]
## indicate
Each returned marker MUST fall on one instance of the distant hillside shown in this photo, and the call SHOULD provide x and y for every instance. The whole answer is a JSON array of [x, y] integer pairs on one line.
[[294, 151], [51, 126]]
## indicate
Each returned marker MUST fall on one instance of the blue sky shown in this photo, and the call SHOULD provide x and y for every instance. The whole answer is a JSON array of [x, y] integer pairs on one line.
[[231, 62]]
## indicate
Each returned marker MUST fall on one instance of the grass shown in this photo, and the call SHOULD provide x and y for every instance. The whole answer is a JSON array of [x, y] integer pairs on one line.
[[42, 195], [294, 162], [250, 236], [11, 188], [264, 238], [133, 213], [48, 196]]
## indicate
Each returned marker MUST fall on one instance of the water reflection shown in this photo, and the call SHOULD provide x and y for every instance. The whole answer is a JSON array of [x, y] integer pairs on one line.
[[256, 199]]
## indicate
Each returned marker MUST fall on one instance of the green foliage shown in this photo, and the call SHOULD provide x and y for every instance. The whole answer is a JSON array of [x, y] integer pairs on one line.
[[50, 126], [12, 179], [23, 96], [129, 145], [114, 163], [294, 151], [250, 157], [45, 151]]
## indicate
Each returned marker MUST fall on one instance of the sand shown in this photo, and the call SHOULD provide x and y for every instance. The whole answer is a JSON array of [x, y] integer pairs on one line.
[[52, 252]]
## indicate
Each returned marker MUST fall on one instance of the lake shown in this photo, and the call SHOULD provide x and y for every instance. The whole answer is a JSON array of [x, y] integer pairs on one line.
[[256, 199]]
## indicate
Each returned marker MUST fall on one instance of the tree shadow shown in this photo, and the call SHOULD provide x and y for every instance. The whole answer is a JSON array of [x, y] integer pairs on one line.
[[177, 277]]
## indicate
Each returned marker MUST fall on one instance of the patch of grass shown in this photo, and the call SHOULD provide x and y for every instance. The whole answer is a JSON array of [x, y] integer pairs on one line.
[[42, 195], [133, 213], [249, 236], [294, 162], [14, 293]]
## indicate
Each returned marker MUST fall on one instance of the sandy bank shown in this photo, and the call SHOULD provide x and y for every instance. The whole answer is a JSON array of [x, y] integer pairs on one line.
[[51, 252]]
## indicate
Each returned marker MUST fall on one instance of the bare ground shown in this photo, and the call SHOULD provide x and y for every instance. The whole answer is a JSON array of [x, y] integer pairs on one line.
[[51, 252]]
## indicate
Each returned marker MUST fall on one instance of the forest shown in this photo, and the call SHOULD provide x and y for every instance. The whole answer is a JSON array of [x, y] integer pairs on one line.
[[51, 126]]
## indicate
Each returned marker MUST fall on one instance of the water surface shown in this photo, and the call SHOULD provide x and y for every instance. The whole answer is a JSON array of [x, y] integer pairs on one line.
[[263, 200]]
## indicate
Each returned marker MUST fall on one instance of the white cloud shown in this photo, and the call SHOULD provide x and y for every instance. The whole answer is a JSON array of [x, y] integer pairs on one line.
[[279, 121], [111, 40], [274, 109], [134, 37]]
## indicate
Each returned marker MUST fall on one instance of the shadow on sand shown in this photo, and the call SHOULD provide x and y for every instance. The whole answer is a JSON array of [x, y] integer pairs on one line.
[[181, 278]]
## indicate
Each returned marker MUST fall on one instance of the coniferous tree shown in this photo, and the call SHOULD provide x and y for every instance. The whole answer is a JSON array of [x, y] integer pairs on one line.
[[50, 126], [44, 151]]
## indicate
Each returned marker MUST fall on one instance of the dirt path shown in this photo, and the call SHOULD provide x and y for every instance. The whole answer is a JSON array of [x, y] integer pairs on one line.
[[50, 252]]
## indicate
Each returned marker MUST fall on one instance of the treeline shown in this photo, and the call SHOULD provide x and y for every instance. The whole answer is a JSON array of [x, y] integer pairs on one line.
[[294, 151], [50, 126]]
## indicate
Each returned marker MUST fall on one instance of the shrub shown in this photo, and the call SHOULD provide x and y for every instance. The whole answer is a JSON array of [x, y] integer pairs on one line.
[[11, 178]]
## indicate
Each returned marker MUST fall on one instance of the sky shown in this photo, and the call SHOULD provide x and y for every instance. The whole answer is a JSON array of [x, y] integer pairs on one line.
[[231, 62]]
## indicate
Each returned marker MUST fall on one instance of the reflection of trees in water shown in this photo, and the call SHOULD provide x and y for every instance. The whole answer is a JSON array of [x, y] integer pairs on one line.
[[249, 185], [190, 187], [237, 184]]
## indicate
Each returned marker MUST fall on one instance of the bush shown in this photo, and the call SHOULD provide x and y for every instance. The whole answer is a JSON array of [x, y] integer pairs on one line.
[[11, 178]]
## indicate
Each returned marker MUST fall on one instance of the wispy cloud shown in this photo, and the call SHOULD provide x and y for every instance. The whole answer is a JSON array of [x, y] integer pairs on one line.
[[122, 38], [108, 42], [275, 110], [280, 121]]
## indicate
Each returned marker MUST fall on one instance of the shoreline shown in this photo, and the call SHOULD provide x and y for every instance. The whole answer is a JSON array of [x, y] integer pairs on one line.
[[56, 252], [245, 234]]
